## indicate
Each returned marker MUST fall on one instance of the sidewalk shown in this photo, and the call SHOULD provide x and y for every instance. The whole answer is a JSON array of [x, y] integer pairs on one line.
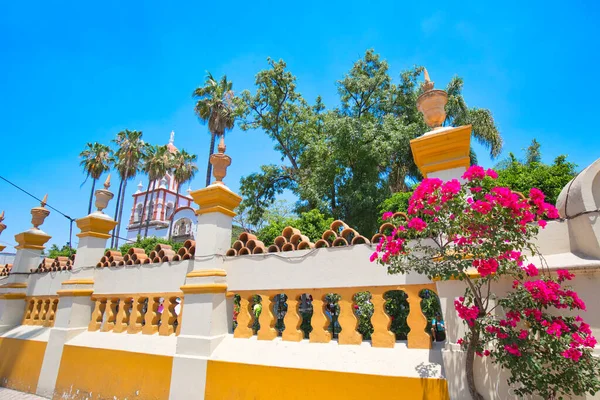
[[7, 394]]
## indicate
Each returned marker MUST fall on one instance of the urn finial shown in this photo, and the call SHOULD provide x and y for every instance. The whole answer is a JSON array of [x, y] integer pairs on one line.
[[220, 161], [2, 226], [107, 182], [431, 103], [39, 214], [103, 196]]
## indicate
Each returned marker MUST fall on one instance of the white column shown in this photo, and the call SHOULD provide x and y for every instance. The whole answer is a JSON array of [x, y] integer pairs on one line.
[[204, 323]]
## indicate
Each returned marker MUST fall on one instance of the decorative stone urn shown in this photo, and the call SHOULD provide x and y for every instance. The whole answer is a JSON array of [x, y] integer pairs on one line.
[[39, 214], [2, 226], [432, 104], [220, 161], [103, 196]]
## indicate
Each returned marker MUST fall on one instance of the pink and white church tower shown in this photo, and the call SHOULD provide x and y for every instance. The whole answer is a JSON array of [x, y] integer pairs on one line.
[[163, 212]]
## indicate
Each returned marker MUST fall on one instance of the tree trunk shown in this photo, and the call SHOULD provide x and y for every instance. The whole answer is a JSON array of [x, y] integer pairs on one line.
[[92, 195], [122, 201], [114, 232], [473, 343], [174, 209], [153, 209], [212, 150], [144, 208]]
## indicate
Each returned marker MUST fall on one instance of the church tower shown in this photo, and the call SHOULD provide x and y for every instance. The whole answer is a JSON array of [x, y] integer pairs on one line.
[[163, 211]]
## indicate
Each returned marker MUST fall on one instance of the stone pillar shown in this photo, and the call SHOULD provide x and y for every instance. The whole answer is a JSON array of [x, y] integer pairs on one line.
[[204, 319], [14, 288], [444, 153], [75, 305]]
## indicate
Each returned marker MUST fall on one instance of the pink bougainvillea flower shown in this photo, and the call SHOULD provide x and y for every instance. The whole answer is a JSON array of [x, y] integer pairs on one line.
[[564, 275], [491, 173], [512, 349], [474, 172], [417, 224], [572, 353], [542, 223], [530, 270], [460, 341], [523, 334], [387, 215], [374, 257]]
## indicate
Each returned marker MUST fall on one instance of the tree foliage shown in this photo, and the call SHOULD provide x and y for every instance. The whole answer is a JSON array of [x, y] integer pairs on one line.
[[521, 176], [148, 244], [345, 161], [64, 251], [311, 223]]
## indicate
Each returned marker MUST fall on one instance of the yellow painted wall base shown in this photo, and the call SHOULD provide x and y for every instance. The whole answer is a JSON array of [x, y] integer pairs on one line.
[[229, 381], [99, 373], [20, 363]]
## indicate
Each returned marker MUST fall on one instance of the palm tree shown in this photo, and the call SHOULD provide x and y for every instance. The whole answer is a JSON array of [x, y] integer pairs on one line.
[[96, 159], [158, 161], [216, 105], [184, 170], [130, 152]]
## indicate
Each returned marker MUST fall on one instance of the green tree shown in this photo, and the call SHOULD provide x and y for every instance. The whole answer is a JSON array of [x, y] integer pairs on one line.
[[215, 105], [148, 244], [311, 223], [158, 161], [345, 161], [184, 170], [398, 202], [532, 173], [64, 251], [96, 159], [130, 152]]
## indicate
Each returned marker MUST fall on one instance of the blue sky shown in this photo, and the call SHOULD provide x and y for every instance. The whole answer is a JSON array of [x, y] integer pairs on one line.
[[77, 72]]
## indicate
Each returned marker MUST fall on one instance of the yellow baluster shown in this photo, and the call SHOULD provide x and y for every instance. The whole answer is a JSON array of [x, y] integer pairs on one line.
[[266, 319], [111, 314], [37, 308], [51, 313], [417, 337], [136, 317], [382, 336], [152, 317], [44, 311], [244, 318], [28, 312], [97, 315], [292, 319], [347, 319], [168, 317], [179, 318], [122, 319], [319, 322]]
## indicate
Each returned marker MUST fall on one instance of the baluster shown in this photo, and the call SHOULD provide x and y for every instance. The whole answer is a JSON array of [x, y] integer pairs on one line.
[[136, 317], [382, 336], [244, 318], [111, 313], [168, 317], [44, 312], [319, 322], [36, 311], [417, 337], [179, 316], [28, 312], [347, 319], [122, 319], [266, 319], [292, 319], [97, 315], [51, 313], [152, 317]]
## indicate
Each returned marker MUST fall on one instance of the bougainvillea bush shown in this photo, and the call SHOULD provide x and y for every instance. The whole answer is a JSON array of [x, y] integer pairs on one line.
[[480, 233]]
